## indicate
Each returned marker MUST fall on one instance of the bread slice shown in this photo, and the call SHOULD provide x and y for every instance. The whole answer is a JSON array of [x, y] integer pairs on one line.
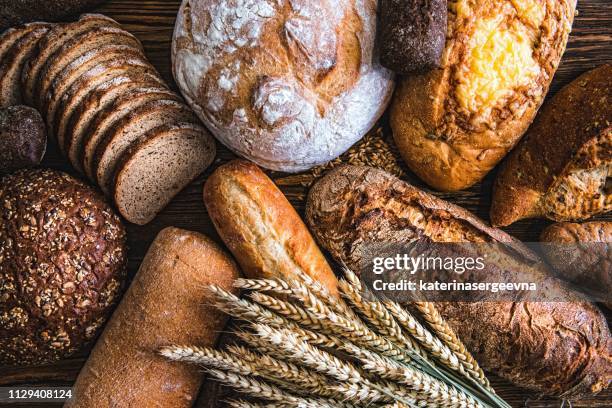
[[79, 110], [106, 119], [152, 172], [131, 129], [93, 63], [10, 37], [563, 167], [54, 39], [80, 52], [13, 60]]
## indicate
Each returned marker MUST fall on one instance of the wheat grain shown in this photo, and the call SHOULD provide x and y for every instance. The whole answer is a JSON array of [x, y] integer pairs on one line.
[[247, 404], [263, 285]]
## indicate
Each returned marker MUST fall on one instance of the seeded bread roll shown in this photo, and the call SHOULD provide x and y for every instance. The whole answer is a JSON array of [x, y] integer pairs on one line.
[[588, 266], [23, 139], [63, 260], [561, 170], [412, 34], [260, 227], [554, 348], [14, 12], [167, 303], [288, 84], [454, 124]]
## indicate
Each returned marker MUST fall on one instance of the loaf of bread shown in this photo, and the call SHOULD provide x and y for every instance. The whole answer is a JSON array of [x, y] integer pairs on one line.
[[23, 138], [166, 304], [288, 84], [15, 12], [581, 254], [102, 101], [454, 124], [412, 34], [562, 167], [260, 227], [555, 348], [63, 260]]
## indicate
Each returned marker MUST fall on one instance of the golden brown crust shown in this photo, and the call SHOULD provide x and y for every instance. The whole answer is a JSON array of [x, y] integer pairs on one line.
[[166, 304], [260, 227], [552, 348], [444, 134], [571, 133]]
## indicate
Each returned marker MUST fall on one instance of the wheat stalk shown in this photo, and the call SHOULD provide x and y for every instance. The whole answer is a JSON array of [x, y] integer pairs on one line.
[[441, 328]]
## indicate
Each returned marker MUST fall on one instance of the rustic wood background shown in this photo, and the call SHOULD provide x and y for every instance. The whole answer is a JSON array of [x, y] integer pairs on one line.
[[152, 22]]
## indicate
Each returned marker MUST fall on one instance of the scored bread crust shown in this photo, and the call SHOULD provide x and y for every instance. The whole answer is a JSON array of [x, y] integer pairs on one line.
[[453, 125], [12, 62], [173, 155], [101, 93], [106, 119], [556, 348], [286, 84], [131, 129], [572, 133]]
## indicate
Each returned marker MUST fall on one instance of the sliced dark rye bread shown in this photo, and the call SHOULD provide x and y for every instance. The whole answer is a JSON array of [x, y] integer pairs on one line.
[[13, 60], [10, 37], [76, 53], [54, 39], [153, 171], [74, 114], [73, 79], [133, 128], [113, 59], [107, 119]]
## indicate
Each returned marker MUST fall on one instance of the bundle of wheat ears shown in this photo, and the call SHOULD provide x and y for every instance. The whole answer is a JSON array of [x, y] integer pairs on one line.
[[305, 348]]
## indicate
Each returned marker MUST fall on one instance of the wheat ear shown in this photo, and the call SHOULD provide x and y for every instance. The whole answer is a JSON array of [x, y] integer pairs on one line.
[[444, 332], [247, 404]]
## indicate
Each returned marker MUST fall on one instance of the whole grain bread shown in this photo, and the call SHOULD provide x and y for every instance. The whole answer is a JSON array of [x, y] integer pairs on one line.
[[155, 168], [581, 254], [15, 12], [12, 62], [166, 304], [560, 170], [454, 124], [555, 348], [23, 139]]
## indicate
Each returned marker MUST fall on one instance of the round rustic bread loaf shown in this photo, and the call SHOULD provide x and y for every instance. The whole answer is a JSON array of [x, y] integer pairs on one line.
[[288, 84], [23, 138], [62, 264]]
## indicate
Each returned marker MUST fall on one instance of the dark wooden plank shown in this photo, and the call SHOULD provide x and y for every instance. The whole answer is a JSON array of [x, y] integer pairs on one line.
[[153, 21]]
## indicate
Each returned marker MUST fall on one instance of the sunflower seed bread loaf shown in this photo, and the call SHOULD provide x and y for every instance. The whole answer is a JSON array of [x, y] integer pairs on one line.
[[288, 84], [454, 124], [554, 348], [63, 262], [561, 170], [100, 97]]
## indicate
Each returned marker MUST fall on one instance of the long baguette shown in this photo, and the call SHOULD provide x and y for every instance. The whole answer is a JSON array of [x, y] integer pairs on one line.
[[260, 227], [558, 348], [165, 304]]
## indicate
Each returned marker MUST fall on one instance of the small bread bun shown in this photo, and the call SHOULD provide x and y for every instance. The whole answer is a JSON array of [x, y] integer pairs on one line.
[[62, 264], [286, 84]]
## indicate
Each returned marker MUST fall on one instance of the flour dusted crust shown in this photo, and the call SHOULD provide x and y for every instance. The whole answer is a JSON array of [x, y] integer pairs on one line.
[[288, 84], [453, 125]]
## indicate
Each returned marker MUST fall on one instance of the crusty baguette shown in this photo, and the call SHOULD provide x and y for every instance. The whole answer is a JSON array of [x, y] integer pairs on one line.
[[551, 348], [569, 252], [454, 124], [559, 170], [166, 304], [260, 227]]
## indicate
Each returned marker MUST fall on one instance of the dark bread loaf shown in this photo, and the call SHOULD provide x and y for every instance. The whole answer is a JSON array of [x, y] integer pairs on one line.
[[552, 348], [560, 169], [412, 34], [589, 266], [23, 139], [62, 264], [14, 12]]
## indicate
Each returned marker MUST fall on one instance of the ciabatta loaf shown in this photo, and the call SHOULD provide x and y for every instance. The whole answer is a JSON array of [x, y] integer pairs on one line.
[[288, 84], [454, 124], [557, 348], [562, 169]]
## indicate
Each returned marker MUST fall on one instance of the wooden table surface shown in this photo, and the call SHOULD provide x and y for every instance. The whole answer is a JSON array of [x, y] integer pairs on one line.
[[152, 22]]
